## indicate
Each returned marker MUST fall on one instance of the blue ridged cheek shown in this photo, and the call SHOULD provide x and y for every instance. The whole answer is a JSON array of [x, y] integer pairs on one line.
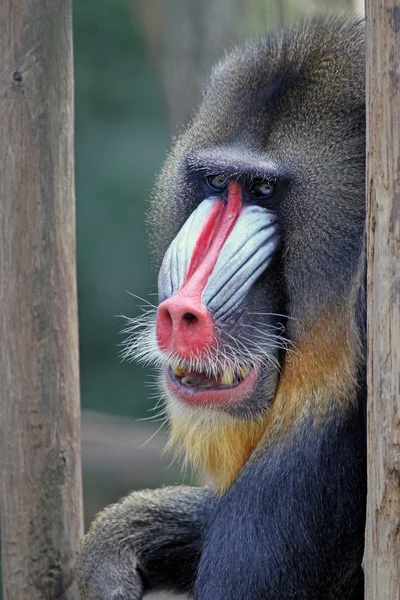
[[245, 255]]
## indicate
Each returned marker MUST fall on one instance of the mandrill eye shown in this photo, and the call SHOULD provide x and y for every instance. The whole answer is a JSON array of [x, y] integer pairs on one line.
[[263, 189], [216, 182]]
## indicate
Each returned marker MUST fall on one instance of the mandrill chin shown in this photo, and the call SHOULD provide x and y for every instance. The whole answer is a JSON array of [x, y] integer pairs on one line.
[[257, 228]]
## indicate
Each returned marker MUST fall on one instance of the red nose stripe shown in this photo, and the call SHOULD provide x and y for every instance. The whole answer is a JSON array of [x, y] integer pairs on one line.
[[214, 234], [206, 237], [184, 324]]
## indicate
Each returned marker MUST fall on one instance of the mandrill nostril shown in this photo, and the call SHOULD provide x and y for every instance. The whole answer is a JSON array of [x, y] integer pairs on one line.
[[190, 318], [184, 325], [164, 315]]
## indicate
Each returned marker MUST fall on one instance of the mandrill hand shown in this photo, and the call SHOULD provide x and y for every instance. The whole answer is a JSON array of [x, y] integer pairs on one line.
[[104, 575], [111, 582], [150, 540]]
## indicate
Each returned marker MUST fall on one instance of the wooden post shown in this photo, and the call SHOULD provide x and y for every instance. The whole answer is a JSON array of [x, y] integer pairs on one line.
[[40, 486], [382, 553]]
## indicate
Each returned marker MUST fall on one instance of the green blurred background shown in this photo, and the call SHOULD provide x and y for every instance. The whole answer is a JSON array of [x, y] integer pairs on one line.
[[120, 141], [120, 144]]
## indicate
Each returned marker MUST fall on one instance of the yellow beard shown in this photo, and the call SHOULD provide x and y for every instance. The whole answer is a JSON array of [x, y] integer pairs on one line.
[[318, 378], [218, 444]]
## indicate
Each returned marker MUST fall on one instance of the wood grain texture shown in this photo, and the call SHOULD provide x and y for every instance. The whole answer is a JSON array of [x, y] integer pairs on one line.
[[40, 493], [382, 555]]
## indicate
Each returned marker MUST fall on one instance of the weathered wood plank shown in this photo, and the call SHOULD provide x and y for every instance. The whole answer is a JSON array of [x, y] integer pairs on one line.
[[40, 490], [382, 556]]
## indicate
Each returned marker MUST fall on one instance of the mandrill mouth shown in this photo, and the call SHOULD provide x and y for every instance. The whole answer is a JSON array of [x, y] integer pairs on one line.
[[199, 388]]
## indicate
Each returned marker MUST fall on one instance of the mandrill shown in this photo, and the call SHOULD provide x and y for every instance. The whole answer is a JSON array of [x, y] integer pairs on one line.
[[257, 226]]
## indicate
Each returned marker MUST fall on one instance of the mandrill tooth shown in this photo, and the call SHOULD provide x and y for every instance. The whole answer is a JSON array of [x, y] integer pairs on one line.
[[227, 377], [176, 369], [244, 371]]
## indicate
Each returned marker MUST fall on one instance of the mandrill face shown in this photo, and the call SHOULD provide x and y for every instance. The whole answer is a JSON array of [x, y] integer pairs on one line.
[[257, 228]]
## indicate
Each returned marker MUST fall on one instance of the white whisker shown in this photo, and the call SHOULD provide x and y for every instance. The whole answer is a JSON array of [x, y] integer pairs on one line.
[[142, 299], [164, 422], [269, 314]]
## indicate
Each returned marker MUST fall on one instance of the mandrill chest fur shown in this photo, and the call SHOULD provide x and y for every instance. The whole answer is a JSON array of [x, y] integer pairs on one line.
[[257, 224]]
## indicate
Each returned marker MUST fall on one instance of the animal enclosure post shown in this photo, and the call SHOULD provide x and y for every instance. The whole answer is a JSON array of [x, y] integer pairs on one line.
[[382, 554], [40, 489]]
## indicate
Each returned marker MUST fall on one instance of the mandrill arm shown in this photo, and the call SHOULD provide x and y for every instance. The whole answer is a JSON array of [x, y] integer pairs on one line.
[[150, 540]]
